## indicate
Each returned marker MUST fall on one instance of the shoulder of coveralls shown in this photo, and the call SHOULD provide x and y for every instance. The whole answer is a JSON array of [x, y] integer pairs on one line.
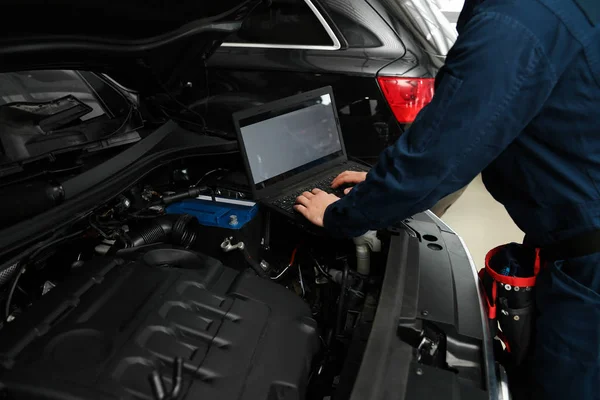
[[543, 22]]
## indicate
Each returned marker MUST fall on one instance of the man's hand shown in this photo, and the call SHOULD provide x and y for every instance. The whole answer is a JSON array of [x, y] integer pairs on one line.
[[348, 178], [313, 205]]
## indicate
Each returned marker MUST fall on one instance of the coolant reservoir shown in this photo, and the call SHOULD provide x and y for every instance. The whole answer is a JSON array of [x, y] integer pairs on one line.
[[364, 245]]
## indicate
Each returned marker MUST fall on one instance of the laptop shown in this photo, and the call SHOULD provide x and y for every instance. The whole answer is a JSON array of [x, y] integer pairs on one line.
[[292, 145]]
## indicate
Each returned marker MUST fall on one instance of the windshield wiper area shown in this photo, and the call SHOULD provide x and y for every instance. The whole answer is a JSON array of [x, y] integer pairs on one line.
[[31, 131], [27, 128], [50, 115]]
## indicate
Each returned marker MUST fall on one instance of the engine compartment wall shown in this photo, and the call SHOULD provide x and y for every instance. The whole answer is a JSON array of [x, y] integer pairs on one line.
[[118, 319]]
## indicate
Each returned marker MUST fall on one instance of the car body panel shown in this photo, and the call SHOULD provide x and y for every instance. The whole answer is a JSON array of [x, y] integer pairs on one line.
[[430, 281], [161, 46], [370, 44]]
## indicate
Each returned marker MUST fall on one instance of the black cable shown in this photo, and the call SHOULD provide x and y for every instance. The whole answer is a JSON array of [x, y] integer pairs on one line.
[[206, 83], [204, 129], [288, 267], [182, 120], [6, 265], [22, 263], [210, 173], [11, 292], [254, 264], [208, 131], [342, 300], [98, 229], [123, 124], [171, 96], [180, 104], [320, 268]]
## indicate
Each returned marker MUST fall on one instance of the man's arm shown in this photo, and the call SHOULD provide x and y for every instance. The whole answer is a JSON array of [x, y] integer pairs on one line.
[[495, 81]]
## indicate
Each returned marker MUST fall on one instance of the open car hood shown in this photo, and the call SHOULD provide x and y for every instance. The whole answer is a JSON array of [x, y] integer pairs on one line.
[[143, 44]]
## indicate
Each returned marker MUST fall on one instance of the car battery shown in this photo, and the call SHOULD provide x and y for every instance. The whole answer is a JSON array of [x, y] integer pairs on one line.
[[222, 218]]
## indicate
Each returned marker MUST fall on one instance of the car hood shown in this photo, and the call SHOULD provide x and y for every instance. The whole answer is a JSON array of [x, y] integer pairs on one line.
[[146, 45]]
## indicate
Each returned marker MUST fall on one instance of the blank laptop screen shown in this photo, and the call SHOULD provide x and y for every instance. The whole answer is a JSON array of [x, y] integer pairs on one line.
[[282, 143]]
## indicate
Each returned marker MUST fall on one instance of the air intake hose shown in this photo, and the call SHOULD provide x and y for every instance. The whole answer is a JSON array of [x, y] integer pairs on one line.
[[177, 229]]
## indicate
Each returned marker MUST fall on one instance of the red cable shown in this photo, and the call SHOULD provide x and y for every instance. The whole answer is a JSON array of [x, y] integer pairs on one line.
[[293, 258]]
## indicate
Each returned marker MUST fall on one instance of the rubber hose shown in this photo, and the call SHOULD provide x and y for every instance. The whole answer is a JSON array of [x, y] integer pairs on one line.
[[176, 229]]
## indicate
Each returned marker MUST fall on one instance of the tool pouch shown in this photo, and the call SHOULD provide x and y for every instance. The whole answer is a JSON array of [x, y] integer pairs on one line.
[[508, 280]]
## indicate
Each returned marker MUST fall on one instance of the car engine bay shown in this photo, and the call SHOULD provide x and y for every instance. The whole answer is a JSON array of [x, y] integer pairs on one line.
[[135, 265], [180, 288]]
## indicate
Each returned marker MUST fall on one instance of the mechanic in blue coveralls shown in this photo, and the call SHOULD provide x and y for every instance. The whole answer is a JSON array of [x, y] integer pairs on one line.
[[519, 99]]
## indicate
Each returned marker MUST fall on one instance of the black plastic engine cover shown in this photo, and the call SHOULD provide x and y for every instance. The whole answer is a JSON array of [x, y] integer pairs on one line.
[[101, 334]]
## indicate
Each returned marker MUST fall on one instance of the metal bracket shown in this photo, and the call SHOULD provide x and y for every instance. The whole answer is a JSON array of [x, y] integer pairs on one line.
[[227, 246]]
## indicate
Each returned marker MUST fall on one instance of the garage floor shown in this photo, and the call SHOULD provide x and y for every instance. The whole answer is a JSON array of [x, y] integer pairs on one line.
[[481, 221]]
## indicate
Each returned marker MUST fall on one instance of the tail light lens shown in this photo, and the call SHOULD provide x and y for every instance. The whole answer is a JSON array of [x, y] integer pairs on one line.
[[406, 96]]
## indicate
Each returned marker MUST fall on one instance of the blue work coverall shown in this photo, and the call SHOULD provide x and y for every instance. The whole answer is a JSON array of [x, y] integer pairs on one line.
[[519, 99]]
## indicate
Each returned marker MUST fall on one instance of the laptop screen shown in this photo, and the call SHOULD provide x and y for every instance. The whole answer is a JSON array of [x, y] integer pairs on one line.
[[284, 142]]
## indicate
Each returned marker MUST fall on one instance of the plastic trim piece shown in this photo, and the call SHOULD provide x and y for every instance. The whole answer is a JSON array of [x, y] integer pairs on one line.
[[386, 363], [336, 42], [495, 386], [84, 181]]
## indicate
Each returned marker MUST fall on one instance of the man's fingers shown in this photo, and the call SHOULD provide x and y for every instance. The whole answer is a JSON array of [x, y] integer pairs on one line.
[[303, 200], [347, 190], [348, 177], [316, 191], [339, 180], [308, 195]]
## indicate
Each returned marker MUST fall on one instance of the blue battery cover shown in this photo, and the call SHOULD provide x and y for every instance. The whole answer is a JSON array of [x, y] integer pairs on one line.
[[218, 214]]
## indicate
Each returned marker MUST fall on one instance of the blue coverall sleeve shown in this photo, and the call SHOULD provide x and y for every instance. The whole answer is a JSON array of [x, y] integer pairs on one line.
[[495, 80]]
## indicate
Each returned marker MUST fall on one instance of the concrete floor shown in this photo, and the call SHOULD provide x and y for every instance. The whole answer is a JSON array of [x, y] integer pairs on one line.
[[481, 221]]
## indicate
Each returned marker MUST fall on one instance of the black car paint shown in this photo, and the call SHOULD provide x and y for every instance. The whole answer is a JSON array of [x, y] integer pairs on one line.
[[271, 73]]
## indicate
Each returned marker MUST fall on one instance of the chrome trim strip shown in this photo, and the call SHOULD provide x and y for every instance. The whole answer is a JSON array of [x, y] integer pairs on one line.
[[336, 43], [469, 256], [504, 391], [495, 387], [438, 221]]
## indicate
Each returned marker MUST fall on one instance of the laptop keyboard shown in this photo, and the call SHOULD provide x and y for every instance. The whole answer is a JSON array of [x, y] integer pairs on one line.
[[287, 203]]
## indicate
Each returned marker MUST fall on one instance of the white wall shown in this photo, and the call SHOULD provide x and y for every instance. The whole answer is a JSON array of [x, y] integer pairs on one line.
[[450, 8]]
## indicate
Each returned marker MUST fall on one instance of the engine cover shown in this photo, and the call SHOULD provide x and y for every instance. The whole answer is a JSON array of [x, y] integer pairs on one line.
[[101, 334]]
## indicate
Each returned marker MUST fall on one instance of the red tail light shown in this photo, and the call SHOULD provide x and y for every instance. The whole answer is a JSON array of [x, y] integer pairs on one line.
[[406, 96]]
